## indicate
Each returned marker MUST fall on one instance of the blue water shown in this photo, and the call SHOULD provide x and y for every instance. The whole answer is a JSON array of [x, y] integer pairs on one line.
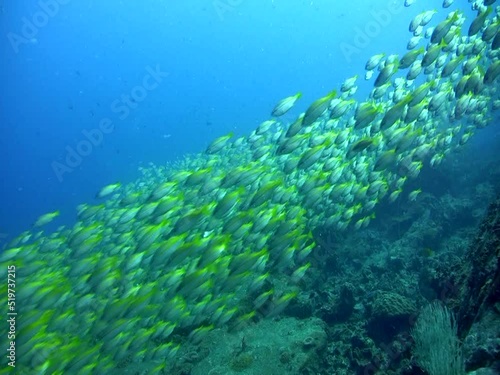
[[224, 65]]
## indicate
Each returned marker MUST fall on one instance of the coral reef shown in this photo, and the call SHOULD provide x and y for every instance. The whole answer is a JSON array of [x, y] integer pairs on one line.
[[269, 347]]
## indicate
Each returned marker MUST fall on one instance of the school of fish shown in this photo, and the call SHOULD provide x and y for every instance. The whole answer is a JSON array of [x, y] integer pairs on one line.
[[219, 237]]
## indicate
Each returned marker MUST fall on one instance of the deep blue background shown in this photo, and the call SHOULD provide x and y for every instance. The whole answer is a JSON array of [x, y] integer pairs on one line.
[[228, 66]]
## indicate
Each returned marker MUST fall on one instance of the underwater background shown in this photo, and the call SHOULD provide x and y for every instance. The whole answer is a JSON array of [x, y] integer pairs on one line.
[[227, 66], [130, 96]]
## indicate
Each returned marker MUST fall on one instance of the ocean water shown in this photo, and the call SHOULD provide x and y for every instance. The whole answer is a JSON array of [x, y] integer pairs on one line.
[[100, 92], [226, 66]]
